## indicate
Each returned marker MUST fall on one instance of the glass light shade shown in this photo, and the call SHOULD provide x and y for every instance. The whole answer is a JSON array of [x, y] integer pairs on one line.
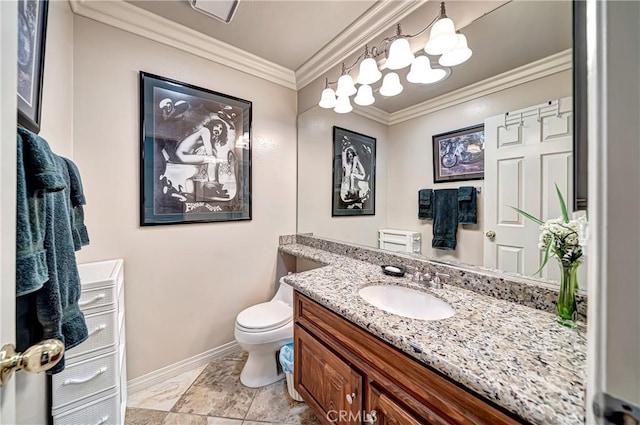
[[343, 105], [442, 37], [364, 96], [422, 73], [400, 54], [391, 85], [328, 99], [461, 53], [345, 86], [369, 72]]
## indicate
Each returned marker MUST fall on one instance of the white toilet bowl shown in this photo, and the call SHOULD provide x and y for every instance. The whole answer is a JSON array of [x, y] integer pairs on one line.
[[262, 330]]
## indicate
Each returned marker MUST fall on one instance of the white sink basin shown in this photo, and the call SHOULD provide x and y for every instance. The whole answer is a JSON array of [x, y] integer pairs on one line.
[[406, 302]]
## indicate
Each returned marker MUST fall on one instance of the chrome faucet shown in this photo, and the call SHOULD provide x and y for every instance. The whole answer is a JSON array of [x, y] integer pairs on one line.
[[435, 283], [417, 276]]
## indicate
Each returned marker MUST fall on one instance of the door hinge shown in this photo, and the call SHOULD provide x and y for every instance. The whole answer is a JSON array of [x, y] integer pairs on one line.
[[615, 411]]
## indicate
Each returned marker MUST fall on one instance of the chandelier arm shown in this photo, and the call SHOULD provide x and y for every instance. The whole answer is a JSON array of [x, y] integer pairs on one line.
[[348, 69], [423, 30]]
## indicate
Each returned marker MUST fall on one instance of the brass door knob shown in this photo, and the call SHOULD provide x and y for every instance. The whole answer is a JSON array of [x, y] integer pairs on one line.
[[37, 358], [490, 234]]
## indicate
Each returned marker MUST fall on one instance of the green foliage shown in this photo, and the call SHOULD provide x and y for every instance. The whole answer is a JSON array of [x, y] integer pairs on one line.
[[529, 216], [563, 205]]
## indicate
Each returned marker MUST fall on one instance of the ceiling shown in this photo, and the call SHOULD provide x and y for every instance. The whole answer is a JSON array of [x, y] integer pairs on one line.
[[503, 35], [284, 32]]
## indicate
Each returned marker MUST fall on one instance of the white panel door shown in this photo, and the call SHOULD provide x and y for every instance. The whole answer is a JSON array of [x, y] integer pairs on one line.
[[8, 90], [527, 152]]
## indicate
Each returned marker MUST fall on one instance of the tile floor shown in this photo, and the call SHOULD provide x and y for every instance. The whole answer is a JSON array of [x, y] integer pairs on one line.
[[213, 395]]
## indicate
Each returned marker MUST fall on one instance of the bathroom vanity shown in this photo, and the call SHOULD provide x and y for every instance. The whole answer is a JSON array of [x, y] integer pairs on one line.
[[341, 368], [493, 362]]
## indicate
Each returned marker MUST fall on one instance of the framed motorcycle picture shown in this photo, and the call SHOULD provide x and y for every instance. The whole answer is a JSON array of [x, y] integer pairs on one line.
[[459, 155]]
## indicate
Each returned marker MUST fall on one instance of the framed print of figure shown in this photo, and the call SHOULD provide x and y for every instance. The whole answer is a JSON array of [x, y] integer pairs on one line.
[[195, 154], [354, 173]]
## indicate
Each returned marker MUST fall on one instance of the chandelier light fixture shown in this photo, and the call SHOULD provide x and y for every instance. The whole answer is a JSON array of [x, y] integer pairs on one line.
[[443, 41]]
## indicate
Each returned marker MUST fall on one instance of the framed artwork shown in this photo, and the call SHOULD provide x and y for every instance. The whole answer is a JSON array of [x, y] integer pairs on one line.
[[32, 34], [459, 155], [195, 154], [354, 173]]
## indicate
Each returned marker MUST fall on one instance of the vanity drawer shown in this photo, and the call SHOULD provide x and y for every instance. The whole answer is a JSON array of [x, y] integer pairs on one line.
[[103, 333], [84, 379], [104, 411], [97, 299]]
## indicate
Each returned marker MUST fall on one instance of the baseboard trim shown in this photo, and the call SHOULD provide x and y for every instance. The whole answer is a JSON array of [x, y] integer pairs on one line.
[[168, 372]]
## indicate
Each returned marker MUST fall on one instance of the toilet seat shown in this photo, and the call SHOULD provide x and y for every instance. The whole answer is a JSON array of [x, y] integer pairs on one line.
[[265, 317]]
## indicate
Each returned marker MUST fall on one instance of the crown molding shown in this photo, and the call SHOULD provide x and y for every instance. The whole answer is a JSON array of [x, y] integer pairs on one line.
[[352, 39], [124, 16], [373, 113], [550, 65]]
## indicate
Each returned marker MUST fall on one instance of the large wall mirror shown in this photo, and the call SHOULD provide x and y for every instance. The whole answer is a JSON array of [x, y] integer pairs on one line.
[[518, 84]]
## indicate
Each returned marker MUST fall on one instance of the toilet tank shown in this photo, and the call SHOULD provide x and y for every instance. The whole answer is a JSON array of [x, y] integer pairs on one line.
[[284, 293]]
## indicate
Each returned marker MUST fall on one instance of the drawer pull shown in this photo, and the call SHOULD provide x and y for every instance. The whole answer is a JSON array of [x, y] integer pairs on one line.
[[103, 420], [371, 418], [92, 300], [351, 398], [72, 381], [98, 329]]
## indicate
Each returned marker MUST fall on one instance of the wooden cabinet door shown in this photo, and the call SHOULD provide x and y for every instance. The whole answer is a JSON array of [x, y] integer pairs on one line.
[[327, 383], [384, 410]]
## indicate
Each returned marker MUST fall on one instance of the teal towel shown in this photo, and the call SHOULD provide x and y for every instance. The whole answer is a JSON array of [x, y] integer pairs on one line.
[[36, 174], [80, 234], [425, 204], [445, 219], [50, 309], [467, 205]]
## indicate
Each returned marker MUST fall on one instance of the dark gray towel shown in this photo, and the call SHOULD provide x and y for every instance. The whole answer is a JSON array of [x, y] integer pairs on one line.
[[36, 174], [445, 219], [467, 205], [76, 194], [425, 204]]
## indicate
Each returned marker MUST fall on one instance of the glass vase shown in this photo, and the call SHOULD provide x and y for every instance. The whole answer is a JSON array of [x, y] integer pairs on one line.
[[566, 310]]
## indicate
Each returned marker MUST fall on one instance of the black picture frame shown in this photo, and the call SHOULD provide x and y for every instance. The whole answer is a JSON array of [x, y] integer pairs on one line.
[[459, 155], [32, 38], [195, 154], [580, 108], [354, 174]]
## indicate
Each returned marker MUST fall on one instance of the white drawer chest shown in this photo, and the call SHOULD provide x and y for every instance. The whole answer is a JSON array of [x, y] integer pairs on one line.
[[400, 240], [92, 390]]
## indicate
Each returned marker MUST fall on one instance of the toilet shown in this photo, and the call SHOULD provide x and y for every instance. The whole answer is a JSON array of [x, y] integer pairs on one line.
[[262, 330]]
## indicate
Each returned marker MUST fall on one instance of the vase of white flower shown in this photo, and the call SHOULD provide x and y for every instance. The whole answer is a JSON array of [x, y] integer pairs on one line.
[[559, 238], [567, 297]]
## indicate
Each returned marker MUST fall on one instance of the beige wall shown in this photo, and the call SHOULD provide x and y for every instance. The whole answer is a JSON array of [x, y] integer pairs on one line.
[[56, 127], [315, 168], [184, 284], [410, 166]]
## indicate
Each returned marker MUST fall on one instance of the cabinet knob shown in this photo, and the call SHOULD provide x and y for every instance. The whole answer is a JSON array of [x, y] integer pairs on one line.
[[371, 417], [351, 398]]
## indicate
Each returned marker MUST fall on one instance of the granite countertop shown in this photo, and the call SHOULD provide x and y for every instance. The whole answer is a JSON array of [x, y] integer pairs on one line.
[[513, 355]]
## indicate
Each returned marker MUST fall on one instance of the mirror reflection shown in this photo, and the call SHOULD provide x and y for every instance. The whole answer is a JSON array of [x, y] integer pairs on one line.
[[452, 159]]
